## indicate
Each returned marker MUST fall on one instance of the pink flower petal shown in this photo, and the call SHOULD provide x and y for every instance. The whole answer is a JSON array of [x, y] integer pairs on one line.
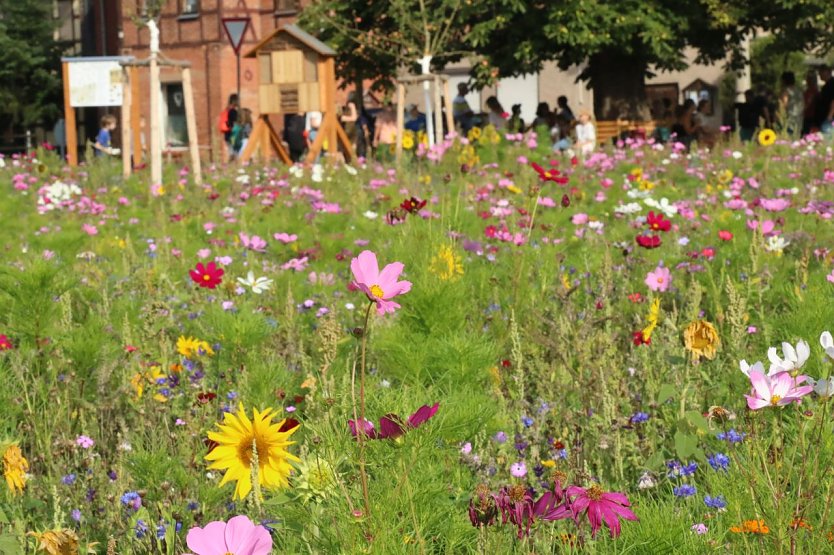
[[209, 540]]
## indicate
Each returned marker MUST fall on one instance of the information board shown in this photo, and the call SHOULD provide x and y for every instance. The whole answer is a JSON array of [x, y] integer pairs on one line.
[[95, 82]]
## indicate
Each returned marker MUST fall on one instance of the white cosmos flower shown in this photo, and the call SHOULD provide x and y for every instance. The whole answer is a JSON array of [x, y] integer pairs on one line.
[[664, 206], [637, 193], [370, 214], [794, 358], [350, 169], [258, 285], [630, 208], [776, 243], [758, 367], [824, 388], [827, 343]]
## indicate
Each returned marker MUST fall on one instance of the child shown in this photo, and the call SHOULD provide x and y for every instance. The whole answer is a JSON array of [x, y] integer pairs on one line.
[[102, 146], [241, 131]]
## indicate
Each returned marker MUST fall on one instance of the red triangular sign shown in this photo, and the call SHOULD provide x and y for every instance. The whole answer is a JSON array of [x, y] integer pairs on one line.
[[235, 28]]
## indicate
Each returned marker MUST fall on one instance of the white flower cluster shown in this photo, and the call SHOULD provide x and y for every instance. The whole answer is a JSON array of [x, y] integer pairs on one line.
[[55, 195]]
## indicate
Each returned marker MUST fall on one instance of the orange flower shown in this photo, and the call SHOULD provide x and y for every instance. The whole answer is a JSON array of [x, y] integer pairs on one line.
[[751, 527], [799, 523]]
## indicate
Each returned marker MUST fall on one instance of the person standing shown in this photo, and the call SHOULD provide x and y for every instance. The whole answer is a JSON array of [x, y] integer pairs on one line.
[[748, 116], [791, 104], [226, 123], [241, 131], [102, 145], [349, 117], [825, 102], [461, 112], [810, 99]]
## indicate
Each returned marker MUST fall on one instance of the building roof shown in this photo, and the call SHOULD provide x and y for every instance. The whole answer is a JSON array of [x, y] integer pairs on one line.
[[298, 34]]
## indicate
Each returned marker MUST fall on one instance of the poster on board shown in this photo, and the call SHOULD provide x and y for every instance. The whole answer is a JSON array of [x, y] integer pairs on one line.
[[95, 82]]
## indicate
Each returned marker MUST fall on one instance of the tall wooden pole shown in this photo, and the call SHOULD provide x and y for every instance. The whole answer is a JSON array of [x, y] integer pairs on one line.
[[191, 123], [126, 124], [70, 129], [438, 111], [135, 131], [400, 120], [450, 117], [156, 115]]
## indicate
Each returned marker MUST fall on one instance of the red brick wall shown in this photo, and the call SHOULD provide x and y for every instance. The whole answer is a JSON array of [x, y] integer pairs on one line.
[[202, 41]]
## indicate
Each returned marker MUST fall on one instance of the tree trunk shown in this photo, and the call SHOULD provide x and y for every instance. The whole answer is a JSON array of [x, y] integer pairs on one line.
[[619, 84]]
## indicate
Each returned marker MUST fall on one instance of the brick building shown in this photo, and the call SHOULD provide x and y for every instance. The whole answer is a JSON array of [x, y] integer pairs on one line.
[[192, 30]]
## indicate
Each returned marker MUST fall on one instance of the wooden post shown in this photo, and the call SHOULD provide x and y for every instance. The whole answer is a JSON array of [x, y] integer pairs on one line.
[[438, 112], [400, 119], [330, 114], [450, 117], [191, 123], [126, 123], [70, 129], [136, 131], [156, 116]]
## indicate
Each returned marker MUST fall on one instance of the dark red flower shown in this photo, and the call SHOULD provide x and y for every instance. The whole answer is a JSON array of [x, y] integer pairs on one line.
[[130, 348], [288, 425], [392, 426], [639, 339], [412, 205], [648, 241], [205, 397], [574, 161], [208, 276], [549, 175], [565, 201], [5, 343], [657, 222], [517, 506], [490, 231]]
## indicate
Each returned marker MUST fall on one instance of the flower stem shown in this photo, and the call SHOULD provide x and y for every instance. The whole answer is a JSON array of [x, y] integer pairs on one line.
[[360, 425]]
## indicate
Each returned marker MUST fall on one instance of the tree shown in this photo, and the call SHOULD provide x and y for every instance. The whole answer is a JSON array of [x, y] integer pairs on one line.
[[620, 42], [30, 63]]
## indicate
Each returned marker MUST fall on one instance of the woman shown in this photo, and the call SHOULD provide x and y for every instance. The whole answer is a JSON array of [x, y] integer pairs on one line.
[[684, 128], [241, 131], [497, 115], [586, 133], [350, 114]]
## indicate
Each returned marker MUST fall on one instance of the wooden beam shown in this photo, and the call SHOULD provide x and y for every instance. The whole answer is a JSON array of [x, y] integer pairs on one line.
[[136, 126], [70, 129], [125, 123], [450, 117], [438, 112], [156, 124], [191, 124], [400, 120], [254, 140]]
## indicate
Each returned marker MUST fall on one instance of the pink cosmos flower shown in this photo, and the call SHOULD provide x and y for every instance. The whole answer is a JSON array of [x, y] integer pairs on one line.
[[379, 287], [830, 277], [392, 426], [285, 237], [239, 536], [659, 279], [254, 242], [599, 506], [777, 390]]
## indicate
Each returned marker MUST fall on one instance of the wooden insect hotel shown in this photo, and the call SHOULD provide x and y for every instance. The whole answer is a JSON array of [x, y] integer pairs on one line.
[[297, 75]]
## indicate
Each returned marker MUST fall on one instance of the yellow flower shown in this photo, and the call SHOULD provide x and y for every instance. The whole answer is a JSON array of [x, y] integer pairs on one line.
[[474, 134], [654, 316], [645, 185], [701, 339], [14, 468], [491, 135], [189, 347], [408, 142], [446, 264], [235, 453], [513, 189], [767, 137], [725, 176], [138, 386], [57, 542], [637, 174], [550, 463]]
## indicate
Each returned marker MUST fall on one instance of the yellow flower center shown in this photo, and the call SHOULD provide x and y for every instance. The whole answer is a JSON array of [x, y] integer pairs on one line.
[[206, 277], [595, 493], [660, 279], [244, 451], [775, 399], [377, 291]]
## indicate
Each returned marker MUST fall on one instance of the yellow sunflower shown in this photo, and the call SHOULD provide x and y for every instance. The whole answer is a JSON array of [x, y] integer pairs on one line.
[[189, 347], [767, 137], [654, 316], [408, 141], [57, 542], [235, 454], [446, 264], [701, 339], [474, 134], [15, 467], [725, 176]]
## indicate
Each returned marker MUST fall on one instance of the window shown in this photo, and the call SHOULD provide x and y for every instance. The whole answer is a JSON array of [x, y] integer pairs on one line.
[[190, 7], [286, 7], [175, 130]]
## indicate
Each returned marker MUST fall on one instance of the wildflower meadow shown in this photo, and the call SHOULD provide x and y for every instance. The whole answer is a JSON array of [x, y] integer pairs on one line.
[[486, 349]]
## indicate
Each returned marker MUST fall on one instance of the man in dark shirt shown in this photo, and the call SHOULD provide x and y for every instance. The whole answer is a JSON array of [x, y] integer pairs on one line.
[[748, 116], [231, 118], [825, 101]]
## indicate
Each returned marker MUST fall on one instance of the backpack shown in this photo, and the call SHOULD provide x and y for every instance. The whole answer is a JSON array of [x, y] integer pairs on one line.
[[223, 121]]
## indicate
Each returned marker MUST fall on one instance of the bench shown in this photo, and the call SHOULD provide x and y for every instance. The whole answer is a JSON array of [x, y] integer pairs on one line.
[[608, 130]]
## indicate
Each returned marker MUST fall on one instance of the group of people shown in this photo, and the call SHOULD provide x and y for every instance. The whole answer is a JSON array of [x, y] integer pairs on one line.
[[235, 123]]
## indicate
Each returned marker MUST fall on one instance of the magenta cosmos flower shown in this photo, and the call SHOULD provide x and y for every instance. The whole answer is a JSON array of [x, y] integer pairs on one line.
[[779, 389], [659, 279], [380, 287], [391, 426], [240, 536], [600, 506]]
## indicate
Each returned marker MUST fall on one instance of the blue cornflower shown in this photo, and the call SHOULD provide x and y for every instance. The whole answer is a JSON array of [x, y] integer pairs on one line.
[[160, 532], [717, 502], [527, 421], [231, 396], [676, 469], [719, 461], [68, 480], [639, 417], [76, 515], [141, 528], [193, 506], [732, 436], [132, 499], [500, 437], [684, 490]]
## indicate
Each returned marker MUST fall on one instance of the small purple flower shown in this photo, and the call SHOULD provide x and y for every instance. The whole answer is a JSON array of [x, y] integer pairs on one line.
[[75, 514], [466, 449], [527, 421], [717, 502], [699, 528], [732, 436], [84, 442], [68, 480], [132, 499], [141, 529], [684, 490], [519, 469], [500, 437], [639, 417], [719, 461]]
